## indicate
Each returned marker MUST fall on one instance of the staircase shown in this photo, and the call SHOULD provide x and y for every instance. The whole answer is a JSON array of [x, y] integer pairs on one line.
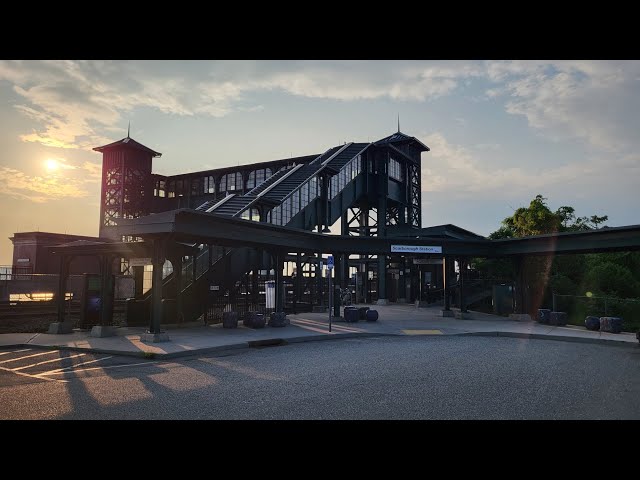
[[234, 206], [341, 159], [225, 269]]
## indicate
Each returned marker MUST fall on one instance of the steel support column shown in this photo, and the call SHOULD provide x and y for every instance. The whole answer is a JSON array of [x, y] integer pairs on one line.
[[106, 292], [382, 280], [462, 263], [159, 257], [62, 285], [299, 277], [278, 260], [177, 271], [445, 283], [520, 296], [338, 267]]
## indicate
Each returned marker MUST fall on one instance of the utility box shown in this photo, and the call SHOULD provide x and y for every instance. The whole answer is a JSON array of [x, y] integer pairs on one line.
[[502, 299]]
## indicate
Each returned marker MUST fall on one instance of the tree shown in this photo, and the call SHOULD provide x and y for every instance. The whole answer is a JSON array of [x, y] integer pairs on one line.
[[545, 273], [534, 220]]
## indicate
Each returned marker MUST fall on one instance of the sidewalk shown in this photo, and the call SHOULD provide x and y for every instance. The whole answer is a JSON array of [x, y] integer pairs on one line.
[[393, 320]]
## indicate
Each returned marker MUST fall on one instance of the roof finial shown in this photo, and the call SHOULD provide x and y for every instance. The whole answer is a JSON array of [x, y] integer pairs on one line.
[[398, 123], [129, 129]]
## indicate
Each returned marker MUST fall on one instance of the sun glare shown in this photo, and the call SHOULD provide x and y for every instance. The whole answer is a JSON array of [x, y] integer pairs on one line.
[[52, 164]]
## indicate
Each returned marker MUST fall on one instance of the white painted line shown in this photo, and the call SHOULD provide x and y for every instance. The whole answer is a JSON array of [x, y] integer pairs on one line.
[[29, 356], [74, 366], [33, 376], [15, 351], [313, 329], [103, 368], [48, 361], [341, 328]]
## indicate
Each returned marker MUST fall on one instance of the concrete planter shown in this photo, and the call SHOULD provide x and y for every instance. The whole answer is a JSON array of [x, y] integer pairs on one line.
[[372, 315], [255, 320], [544, 315], [611, 324], [230, 319], [351, 314], [558, 318], [592, 323], [278, 319]]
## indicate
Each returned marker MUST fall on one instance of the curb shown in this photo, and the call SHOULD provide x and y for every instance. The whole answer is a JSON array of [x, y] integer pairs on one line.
[[308, 338], [541, 336], [200, 351]]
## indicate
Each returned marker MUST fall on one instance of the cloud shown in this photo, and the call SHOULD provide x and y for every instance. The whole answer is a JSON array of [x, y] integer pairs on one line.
[[457, 169], [38, 189], [596, 101], [94, 171], [74, 102]]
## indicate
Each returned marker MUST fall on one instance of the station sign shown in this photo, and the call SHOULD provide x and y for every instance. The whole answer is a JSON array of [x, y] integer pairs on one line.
[[415, 249]]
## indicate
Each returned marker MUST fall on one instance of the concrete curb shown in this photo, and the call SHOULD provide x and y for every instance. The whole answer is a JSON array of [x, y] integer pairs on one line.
[[309, 338], [542, 336], [200, 351]]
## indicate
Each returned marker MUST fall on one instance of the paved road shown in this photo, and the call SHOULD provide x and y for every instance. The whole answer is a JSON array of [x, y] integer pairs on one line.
[[421, 377]]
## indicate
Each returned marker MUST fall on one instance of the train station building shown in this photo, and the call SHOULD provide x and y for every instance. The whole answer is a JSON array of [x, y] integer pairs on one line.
[[191, 246]]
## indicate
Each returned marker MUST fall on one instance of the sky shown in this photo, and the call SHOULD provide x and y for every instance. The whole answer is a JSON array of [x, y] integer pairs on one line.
[[500, 132]]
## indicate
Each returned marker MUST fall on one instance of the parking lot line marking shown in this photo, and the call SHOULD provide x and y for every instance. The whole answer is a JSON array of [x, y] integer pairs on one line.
[[33, 376], [74, 366], [29, 356], [15, 351], [341, 328], [297, 323], [47, 361], [102, 368], [422, 332]]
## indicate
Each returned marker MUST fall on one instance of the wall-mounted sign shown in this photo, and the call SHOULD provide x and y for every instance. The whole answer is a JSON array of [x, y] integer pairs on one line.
[[415, 249], [427, 261], [214, 288], [139, 262], [22, 260]]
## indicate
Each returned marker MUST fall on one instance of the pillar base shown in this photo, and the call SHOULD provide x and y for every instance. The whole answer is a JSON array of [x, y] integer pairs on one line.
[[520, 317], [154, 337], [57, 328], [382, 301], [462, 315], [319, 309], [100, 331], [447, 313]]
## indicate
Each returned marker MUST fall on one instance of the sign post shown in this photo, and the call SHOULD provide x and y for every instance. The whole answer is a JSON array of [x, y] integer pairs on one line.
[[329, 268]]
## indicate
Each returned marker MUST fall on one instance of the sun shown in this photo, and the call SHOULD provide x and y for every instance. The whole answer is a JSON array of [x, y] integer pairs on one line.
[[52, 164]]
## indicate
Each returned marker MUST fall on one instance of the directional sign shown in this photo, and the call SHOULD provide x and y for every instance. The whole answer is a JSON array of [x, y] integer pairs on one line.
[[330, 262]]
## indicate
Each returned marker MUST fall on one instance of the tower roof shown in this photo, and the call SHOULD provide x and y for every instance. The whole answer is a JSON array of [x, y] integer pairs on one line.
[[399, 137], [127, 142]]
